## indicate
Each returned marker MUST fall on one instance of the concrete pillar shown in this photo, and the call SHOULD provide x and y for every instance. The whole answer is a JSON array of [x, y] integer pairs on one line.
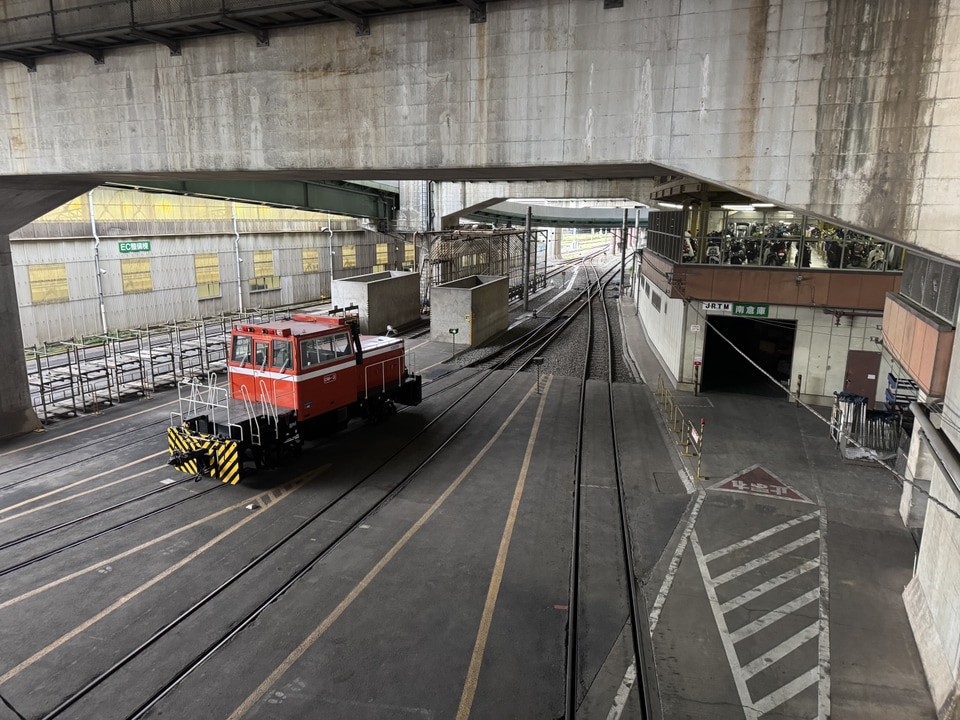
[[16, 411], [23, 200], [913, 498]]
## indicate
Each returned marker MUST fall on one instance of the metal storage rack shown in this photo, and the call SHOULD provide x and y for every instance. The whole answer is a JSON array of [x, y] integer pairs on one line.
[[70, 377]]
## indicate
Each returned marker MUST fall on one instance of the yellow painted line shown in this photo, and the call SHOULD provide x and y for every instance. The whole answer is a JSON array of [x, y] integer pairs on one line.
[[66, 637], [82, 482], [98, 488], [473, 673], [86, 429], [307, 643], [262, 499]]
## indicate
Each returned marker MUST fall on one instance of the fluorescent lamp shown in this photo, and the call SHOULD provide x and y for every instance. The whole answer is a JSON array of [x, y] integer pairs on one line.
[[671, 205], [763, 205], [737, 207]]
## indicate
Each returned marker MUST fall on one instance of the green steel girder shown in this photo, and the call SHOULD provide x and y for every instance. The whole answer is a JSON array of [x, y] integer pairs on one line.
[[334, 196]]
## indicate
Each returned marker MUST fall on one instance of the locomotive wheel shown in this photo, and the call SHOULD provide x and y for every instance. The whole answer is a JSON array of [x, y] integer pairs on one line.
[[378, 408]]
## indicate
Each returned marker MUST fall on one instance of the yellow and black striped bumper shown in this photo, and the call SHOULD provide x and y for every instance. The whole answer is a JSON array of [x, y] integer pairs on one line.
[[213, 456]]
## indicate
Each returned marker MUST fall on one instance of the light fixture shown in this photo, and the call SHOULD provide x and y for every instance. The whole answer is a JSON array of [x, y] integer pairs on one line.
[[763, 205], [737, 207], [671, 205]]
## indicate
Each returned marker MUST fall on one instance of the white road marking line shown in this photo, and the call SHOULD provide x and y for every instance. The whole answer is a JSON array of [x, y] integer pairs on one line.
[[710, 557], [764, 559], [769, 585], [732, 660], [771, 617], [631, 674], [675, 562], [792, 688], [782, 650], [823, 699], [623, 692]]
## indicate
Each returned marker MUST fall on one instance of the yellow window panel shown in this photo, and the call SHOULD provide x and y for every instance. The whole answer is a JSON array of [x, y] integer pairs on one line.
[[136, 275], [269, 282], [263, 263], [205, 291], [311, 260], [410, 253], [382, 254], [207, 268], [348, 256], [48, 283]]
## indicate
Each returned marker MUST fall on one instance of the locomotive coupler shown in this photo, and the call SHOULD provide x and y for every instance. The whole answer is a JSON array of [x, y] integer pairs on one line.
[[179, 458]]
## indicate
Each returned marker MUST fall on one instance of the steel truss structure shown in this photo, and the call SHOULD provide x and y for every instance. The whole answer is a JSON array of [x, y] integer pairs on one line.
[[453, 254]]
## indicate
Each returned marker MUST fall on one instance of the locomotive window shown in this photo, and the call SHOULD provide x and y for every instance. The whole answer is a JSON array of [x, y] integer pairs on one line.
[[281, 354], [314, 351], [341, 344], [262, 348], [242, 346]]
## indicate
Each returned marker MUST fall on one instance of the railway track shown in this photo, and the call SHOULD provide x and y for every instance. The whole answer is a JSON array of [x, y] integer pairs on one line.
[[478, 389], [593, 581], [99, 682]]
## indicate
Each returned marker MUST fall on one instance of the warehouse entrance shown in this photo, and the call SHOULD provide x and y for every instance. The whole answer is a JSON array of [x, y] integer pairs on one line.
[[767, 342]]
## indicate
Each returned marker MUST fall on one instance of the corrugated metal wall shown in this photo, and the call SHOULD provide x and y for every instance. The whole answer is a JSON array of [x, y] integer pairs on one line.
[[198, 226]]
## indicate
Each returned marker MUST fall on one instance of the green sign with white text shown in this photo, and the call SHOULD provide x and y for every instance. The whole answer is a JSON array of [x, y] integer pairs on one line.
[[751, 310], [135, 246]]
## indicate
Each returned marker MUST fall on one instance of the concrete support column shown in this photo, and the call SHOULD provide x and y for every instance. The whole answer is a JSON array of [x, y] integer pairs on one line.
[[16, 412], [913, 498]]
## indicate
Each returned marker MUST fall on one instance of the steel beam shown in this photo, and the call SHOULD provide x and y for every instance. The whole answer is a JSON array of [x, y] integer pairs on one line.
[[30, 62], [263, 39], [362, 24], [478, 10], [174, 45], [95, 53], [342, 198]]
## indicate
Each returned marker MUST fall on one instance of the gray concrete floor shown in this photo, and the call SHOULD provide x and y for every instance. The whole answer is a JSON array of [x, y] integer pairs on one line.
[[781, 608]]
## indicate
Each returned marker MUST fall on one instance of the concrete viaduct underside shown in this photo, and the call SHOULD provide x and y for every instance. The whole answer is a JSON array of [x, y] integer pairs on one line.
[[846, 111]]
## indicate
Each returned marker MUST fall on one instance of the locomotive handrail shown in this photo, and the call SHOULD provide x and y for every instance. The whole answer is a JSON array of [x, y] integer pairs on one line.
[[254, 425], [268, 406]]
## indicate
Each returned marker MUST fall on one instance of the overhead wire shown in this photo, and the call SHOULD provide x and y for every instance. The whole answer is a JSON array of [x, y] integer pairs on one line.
[[901, 480]]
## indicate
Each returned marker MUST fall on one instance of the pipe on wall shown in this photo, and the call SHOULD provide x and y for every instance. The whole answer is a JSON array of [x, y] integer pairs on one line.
[[236, 248], [96, 262]]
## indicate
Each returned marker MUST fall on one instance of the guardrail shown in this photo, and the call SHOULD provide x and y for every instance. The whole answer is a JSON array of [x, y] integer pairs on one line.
[[689, 436]]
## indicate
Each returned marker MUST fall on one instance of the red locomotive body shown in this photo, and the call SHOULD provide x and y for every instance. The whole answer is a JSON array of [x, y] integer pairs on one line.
[[293, 378], [318, 365]]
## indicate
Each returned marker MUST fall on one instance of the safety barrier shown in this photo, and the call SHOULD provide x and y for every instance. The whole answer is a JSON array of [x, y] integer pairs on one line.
[[690, 436]]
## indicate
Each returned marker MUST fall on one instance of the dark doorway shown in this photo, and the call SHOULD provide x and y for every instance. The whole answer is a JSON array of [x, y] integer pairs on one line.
[[769, 343]]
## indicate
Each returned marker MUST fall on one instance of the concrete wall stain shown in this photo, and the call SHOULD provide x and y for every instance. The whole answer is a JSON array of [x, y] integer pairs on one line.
[[871, 124], [752, 101]]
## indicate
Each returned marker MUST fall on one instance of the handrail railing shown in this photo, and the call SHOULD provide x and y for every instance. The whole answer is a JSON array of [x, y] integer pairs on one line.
[[690, 440]]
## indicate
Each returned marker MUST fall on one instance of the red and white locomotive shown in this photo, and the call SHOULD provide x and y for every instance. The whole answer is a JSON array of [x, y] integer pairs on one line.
[[288, 379]]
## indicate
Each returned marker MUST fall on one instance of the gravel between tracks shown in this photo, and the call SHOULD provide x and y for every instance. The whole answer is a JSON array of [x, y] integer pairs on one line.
[[565, 355]]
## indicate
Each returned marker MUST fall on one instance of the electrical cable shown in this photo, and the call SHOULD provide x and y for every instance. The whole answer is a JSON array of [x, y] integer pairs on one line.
[[901, 480]]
